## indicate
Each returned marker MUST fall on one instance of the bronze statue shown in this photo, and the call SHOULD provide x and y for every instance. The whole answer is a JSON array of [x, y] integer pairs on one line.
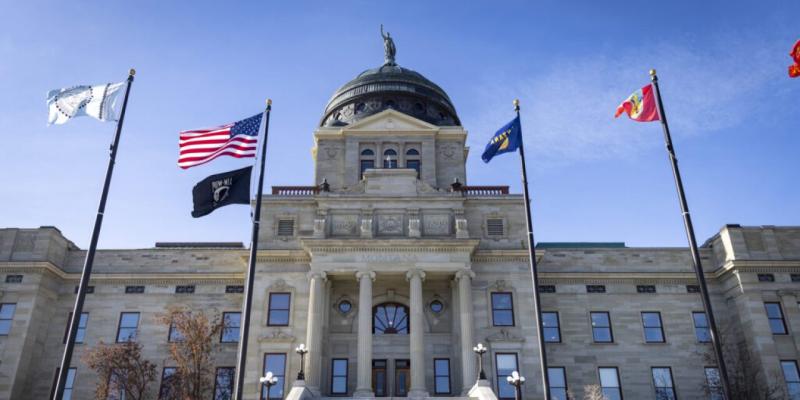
[[388, 48]]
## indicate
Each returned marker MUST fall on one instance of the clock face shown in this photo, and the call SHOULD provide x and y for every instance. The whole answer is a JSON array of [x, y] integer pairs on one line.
[[72, 100]]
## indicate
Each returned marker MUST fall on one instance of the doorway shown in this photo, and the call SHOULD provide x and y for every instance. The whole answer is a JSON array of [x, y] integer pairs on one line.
[[379, 385], [402, 378]]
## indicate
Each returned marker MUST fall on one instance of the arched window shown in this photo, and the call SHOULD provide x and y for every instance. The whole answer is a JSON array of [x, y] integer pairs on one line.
[[367, 160], [390, 319], [412, 160], [389, 159]]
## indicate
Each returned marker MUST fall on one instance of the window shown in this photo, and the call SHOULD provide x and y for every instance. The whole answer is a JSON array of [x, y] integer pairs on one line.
[[645, 288], [609, 383], [505, 364], [558, 383], [184, 289], [692, 288], [13, 278], [89, 289], [441, 376], [766, 278], [701, 330], [367, 161], [662, 380], [167, 389], [502, 309], [223, 384], [552, 330], [174, 334], [6, 316], [412, 160], [234, 289], [653, 330], [792, 378], [285, 227], [795, 277], [494, 227], [339, 376], [714, 384], [390, 319], [389, 159], [230, 329], [69, 384], [436, 306], [128, 325], [775, 316], [279, 309], [601, 327], [81, 328], [595, 288], [275, 363], [547, 288], [134, 289]]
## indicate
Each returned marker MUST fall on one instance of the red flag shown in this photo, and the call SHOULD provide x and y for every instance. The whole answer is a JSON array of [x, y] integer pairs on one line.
[[794, 70], [640, 106]]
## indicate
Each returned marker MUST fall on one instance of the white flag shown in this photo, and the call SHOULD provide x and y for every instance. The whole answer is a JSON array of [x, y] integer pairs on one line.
[[99, 101]]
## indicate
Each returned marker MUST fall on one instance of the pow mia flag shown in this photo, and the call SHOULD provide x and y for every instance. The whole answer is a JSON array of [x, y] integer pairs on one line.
[[219, 190]]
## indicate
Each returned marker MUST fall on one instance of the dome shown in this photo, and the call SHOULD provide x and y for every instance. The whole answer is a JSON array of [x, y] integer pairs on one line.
[[390, 86]]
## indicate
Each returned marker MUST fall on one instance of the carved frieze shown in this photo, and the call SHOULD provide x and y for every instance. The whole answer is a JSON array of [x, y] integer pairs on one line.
[[436, 225], [344, 225], [390, 225]]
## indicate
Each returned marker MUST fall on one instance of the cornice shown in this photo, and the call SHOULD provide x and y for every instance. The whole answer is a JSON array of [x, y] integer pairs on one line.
[[390, 245], [517, 255], [131, 278], [280, 256]]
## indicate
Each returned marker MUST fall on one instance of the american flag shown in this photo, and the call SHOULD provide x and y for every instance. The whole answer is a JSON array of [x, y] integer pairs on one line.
[[239, 139]]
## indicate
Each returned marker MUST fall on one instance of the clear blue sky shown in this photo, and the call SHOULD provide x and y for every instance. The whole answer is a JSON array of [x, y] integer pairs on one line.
[[733, 110]]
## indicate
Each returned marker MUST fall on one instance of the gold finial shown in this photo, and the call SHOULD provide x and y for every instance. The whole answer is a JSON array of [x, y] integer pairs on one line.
[[132, 72], [269, 102], [516, 105], [652, 72]]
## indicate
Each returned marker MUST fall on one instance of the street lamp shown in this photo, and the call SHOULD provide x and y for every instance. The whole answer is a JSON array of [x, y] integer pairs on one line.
[[302, 350], [269, 380], [516, 380], [480, 350]]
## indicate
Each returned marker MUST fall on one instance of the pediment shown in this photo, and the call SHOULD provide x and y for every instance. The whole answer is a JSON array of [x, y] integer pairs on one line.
[[390, 120]]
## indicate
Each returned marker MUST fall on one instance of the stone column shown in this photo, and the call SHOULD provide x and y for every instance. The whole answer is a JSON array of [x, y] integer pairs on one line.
[[464, 278], [417, 335], [364, 361], [316, 304]]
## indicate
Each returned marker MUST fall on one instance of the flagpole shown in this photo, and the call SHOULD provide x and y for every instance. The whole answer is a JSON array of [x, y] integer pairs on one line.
[[77, 310], [687, 221], [251, 268], [534, 272]]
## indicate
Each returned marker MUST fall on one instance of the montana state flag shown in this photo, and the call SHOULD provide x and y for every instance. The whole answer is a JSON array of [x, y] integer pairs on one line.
[[640, 106], [507, 139]]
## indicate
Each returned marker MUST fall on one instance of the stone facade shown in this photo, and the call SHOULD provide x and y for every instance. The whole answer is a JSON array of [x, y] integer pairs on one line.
[[405, 238]]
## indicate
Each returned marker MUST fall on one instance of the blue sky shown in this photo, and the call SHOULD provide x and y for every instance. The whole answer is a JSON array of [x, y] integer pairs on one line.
[[722, 65]]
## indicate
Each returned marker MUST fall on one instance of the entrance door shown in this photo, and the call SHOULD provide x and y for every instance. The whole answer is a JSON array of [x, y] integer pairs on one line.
[[379, 378], [402, 378]]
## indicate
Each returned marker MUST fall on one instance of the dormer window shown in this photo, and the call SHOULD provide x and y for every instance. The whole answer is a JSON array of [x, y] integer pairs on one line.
[[412, 160], [389, 159], [367, 160]]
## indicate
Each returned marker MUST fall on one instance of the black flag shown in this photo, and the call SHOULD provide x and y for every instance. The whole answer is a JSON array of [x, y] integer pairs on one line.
[[219, 190]]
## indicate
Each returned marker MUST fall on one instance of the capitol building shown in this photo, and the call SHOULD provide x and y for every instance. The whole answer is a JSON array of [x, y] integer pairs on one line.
[[396, 268]]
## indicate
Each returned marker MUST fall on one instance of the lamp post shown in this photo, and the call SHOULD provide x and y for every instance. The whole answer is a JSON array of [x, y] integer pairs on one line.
[[516, 380], [480, 350], [302, 350], [268, 380]]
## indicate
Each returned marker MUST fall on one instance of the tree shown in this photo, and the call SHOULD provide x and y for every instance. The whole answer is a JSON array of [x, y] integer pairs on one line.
[[193, 336], [748, 381], [121, 369], [593, 392]]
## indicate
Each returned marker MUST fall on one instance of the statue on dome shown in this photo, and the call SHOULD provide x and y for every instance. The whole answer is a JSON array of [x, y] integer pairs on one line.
[[388, 48]]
